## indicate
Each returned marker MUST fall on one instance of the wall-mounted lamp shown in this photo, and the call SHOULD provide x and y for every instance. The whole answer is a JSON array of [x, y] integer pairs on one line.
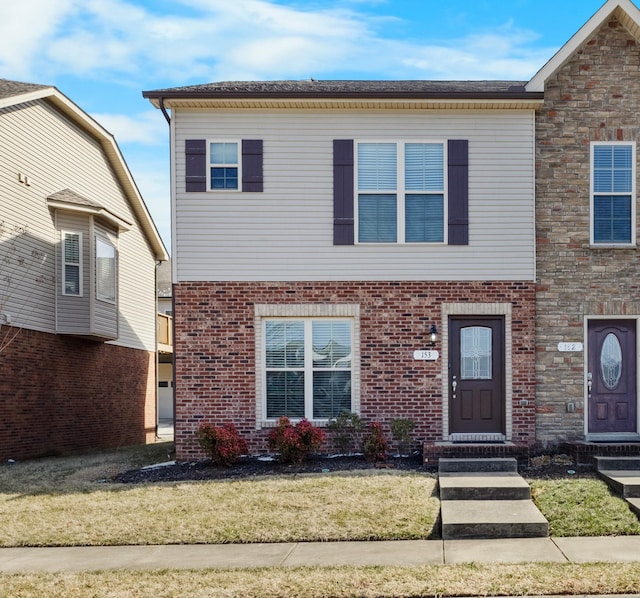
[[433, 334]]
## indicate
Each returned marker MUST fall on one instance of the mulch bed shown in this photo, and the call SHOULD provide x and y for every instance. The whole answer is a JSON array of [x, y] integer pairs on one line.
[[545, 467]]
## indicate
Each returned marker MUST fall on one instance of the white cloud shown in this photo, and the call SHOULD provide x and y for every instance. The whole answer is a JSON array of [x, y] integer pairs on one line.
[[206, 40], [147, 128]]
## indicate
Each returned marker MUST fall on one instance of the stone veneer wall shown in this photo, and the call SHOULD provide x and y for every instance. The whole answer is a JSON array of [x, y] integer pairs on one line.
[[215, 350], [61, 395], [594, 97]]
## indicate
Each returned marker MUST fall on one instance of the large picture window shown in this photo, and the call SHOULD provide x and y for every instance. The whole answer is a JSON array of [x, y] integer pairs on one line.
[[612, 193], [308, 367], [401, 192], [105, 271], [72, 264]]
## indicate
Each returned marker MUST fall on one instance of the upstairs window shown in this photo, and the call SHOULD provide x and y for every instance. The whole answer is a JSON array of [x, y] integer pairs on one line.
[[401, 192], [105, 271], [613, 193], [72, 264], [224, 165]]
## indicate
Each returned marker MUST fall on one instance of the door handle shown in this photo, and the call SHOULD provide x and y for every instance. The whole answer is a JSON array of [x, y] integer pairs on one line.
[[454, 385], [589, 382]]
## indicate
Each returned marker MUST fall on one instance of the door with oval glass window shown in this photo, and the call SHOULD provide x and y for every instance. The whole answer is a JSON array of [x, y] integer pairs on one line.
[[476, 375], [611, 376]]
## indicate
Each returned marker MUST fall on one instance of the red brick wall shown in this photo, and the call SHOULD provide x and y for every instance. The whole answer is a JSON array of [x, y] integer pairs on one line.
[[215, 363], [63, 395]]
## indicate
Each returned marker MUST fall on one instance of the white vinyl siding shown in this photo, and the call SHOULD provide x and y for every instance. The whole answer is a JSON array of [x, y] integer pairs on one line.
[[39, 142], [286, 232]]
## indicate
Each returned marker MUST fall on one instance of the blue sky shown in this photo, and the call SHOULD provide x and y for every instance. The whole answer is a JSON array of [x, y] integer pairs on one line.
[[103, 53]]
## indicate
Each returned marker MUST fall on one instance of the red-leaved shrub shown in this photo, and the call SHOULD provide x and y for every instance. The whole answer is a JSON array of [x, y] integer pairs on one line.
[[374, 443], [224, 444], [294, 443]]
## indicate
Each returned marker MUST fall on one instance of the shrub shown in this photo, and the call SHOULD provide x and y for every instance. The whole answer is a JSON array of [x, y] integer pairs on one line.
[[294, 443], [374, 443], [345, 429], [401, 431], [224, 444]]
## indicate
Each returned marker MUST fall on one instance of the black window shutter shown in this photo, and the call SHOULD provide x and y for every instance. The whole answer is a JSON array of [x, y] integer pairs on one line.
[[252, 178], [343, 223], [196, 167], [458, 179]]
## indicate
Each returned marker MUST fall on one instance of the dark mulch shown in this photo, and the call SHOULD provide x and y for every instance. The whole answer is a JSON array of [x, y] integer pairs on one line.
[[251, 467]]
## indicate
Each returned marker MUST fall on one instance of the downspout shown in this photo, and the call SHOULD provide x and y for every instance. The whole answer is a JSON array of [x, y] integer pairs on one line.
[[164, 110]]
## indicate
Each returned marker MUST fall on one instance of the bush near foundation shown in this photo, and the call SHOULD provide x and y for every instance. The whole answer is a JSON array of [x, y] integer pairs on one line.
[[224, 443], [294, 443], [374, 443]]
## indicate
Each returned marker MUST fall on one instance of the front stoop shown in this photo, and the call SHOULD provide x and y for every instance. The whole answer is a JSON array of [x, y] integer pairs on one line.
[[486, 498], [622, 474]]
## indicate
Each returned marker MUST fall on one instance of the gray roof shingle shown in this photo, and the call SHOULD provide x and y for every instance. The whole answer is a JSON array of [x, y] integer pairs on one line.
[[344, 88], [10, 89]]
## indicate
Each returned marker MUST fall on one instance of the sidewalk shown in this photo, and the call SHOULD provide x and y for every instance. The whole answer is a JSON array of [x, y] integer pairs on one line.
[[392, 553]]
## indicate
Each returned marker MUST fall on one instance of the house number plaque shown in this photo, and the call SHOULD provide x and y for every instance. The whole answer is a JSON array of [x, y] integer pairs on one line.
[[427, 355], [567, 347]]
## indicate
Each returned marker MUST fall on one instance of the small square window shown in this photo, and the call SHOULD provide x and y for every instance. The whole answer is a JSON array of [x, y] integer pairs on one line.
[[223, 165]]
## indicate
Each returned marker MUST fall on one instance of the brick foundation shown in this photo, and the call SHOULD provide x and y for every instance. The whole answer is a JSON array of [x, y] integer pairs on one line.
[[61, 395], [215, 351]]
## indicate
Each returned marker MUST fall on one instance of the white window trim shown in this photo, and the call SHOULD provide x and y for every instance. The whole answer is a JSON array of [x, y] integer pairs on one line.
[[264, 312], [106, 241], [238, 143], [592, 242], [65, 264], [401, 192]]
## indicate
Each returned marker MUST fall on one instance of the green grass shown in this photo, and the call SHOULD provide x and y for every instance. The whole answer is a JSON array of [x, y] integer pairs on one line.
[[583, 507]]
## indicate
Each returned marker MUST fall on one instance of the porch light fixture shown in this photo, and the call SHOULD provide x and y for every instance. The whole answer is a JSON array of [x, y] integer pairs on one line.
[[433, 334]]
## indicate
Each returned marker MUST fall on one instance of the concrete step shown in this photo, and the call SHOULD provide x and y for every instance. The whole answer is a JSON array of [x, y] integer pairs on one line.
[[483, 486], [634, 505], [478, 465], [623, 481], [617, 463], [486, 519]]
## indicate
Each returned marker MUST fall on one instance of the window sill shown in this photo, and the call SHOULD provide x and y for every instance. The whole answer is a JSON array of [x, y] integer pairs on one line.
[[612, 246], [273, 423]]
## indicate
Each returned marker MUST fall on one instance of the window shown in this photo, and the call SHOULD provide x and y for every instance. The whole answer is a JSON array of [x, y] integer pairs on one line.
[[612, 193], [223, 165], [72, 264], [401, 192], [105, 271], [308, 367]]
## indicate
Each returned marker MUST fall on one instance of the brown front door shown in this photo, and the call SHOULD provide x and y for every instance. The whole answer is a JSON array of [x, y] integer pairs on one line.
[[611, 377], [476, 375]]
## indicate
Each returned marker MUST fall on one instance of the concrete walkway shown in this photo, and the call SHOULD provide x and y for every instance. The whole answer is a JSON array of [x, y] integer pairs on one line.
[[323, 554]]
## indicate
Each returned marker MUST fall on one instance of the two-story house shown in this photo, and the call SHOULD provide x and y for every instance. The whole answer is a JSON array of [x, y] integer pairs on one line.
[[365, 246], [371, 246], [78, 251], [588, 271]]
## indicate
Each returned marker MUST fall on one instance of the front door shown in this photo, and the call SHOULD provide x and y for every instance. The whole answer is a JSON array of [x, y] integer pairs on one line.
[[476, 375], [611, 377]]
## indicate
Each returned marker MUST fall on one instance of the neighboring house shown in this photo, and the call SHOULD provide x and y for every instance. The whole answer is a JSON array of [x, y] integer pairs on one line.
[[587, 229], [322, 229], [78, 250], [165, 342]]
